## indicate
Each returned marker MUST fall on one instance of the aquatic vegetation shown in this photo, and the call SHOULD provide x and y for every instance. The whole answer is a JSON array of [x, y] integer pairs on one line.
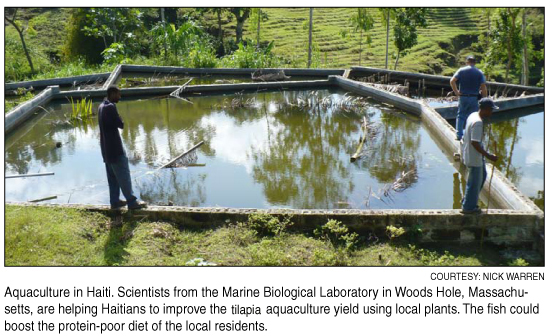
[[81, 110], [315, 100], [238, 101]]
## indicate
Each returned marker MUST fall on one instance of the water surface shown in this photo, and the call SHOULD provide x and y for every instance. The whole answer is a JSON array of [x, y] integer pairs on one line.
[[264, 150], [519, 139]]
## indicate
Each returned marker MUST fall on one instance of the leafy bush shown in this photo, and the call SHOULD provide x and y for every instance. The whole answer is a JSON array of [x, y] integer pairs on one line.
[[267, 225], [394, 232], [518, 262], [115, 54], [249, 56], [187, 45], [202, 56], [338, 234]]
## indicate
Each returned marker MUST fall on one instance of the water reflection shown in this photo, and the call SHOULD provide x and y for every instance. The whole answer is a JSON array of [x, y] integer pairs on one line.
[[272, 149], [519, 141]]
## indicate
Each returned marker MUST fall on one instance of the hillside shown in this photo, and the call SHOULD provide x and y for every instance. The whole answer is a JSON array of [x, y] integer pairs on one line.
[[439, 46]]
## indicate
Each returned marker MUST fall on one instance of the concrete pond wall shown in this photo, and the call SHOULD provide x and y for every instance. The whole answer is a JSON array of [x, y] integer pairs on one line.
[[520, 222], [505, 104], [436, 81]]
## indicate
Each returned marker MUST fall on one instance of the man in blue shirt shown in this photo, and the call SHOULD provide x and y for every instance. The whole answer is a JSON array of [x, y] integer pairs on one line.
[[471, 80]]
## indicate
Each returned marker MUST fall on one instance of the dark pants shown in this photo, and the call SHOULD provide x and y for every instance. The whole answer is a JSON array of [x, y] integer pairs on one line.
[[118, 178]]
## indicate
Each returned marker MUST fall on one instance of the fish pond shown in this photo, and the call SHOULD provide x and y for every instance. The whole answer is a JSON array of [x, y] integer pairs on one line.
[[280, 149]]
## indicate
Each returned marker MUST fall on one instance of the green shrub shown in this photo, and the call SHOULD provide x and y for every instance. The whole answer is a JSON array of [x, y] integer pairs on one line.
[[202, 56], [115, 54], [518, 262], [394, 232], [248, 56], [267, 225], [338, 234]]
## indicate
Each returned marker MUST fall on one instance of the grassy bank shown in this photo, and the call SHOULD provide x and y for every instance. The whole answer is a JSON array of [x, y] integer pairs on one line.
[[46, 236]]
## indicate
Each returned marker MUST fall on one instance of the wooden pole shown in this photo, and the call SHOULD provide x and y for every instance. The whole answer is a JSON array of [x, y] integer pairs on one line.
[[29, 175], [43, 199], [310, 39], [181, 155], [358, 154]]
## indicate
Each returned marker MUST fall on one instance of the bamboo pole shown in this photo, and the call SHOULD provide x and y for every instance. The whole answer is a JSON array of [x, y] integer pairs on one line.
[[176, 93], [43, 199], [181, 155], [358, 154], [29, 175]]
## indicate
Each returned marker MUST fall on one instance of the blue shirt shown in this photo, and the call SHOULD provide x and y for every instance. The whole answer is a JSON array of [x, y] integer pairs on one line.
[[469, 79]]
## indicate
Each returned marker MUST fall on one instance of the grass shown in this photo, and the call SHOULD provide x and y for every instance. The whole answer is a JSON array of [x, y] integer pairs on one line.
[[47, 236], [10, 104]]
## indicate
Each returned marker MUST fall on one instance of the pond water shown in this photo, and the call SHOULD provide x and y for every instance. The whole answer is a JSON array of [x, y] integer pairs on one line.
[[263, 150], [519, 138], [128, 80]]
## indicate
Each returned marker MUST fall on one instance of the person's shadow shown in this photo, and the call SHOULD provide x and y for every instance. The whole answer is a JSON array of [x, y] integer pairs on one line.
[[120, 233]]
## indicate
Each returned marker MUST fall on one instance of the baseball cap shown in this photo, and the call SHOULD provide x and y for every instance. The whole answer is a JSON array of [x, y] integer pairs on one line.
[[470, 58], [488, 102]]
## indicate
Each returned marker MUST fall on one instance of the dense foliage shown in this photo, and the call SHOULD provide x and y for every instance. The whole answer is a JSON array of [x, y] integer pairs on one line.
[[510, 41]]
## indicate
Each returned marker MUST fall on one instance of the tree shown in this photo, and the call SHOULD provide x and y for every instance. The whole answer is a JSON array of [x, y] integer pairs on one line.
[[506, 39], [182, 40], [526, 42], [514, 38], [241, 14], [112, 25], [221, 13], [309, 59], [10, 15], [257, 16], [407, 21], [487, 13], [362, 21], [387, 14]]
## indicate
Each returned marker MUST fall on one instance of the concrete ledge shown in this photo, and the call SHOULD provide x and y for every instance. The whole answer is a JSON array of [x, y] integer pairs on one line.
[[63, 81], [115, 74], [229, 71], [506, 104], [402, 102], [500, 227], [435, 80], [24, 111], [192, 89]]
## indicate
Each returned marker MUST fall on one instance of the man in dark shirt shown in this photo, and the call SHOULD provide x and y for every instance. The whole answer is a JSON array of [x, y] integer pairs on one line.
[[116, 161], [471, 80]]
